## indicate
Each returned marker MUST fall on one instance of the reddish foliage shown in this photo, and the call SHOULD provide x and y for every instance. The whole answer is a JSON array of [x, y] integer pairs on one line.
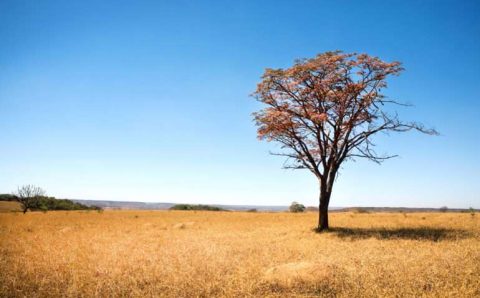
[[325, 110]]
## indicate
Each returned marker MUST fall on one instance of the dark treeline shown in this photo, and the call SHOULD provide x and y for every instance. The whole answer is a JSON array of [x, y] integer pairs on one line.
[[44, 203], [7, 197], [196, 207]]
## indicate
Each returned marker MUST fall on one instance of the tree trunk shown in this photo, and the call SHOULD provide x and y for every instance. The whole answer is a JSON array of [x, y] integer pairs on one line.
[[323, 210], [322, 219]]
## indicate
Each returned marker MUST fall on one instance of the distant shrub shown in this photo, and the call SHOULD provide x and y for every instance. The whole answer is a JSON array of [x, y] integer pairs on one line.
[[196, 207], [361, 210], [443, 209], [296, 207], [252, 210]]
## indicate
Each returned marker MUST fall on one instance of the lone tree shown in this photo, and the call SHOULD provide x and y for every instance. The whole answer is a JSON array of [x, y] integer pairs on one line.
[[28, 195], [326, 110]]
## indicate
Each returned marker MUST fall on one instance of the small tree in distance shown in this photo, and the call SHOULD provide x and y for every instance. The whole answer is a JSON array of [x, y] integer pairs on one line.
[[296, 207], [326, 110], [28, 195]]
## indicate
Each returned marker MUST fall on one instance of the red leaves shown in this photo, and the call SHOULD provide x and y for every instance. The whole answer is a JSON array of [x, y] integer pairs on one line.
[[318, 118], [326, 110], [324, 107], [329, 87]]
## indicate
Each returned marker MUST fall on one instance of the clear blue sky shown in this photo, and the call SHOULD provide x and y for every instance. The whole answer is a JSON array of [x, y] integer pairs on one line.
[[149, 100]]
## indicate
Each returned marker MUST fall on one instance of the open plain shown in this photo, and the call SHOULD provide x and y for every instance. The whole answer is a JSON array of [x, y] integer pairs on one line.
[[205, 254]]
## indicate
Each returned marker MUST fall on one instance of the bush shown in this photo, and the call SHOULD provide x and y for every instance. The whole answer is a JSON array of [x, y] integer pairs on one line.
[[196, 207], [7, 197], [296, 207], [51, 203]]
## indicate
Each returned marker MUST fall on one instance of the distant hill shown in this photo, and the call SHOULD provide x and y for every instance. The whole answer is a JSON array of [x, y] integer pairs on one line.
[[260, 208], [166, 206], [126, 204]]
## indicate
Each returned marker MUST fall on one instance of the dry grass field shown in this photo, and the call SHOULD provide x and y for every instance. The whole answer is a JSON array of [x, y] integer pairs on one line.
[[227, 254], [6, 206]]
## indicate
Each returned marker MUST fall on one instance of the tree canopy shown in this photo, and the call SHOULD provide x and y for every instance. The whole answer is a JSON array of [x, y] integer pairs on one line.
[[326, 110]]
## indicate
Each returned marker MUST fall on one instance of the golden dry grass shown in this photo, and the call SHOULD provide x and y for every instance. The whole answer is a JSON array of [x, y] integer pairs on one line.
[[204, 254], [6, 206]]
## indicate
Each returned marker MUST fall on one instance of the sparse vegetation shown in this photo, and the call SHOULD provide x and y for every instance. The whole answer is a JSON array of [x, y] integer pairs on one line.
[[51, 203], [238, 254], [361, 210], [296, 207], [196, 207], [8, 197], [41, 203]]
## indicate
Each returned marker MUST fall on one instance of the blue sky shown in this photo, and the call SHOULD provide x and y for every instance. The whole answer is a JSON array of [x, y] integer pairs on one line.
[[149, 100]]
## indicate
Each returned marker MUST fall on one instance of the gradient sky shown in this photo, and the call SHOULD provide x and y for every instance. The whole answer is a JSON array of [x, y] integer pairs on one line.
[[149, 100]]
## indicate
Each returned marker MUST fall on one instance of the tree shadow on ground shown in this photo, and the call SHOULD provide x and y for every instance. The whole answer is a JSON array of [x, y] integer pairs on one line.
[[421, 233]]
